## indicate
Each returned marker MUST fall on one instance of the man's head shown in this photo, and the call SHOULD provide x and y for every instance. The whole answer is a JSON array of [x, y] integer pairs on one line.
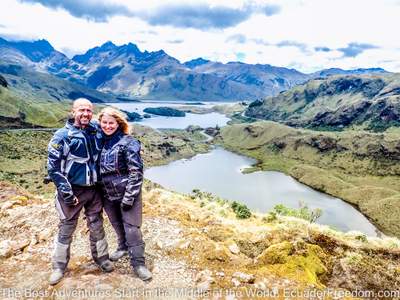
[[82, 112]]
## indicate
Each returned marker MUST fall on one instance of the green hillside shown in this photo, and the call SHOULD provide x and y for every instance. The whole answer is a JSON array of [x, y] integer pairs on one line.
[[33, 99], [20, 111], [369, 102]]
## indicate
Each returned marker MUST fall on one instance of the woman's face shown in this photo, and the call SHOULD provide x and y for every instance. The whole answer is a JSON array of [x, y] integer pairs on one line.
[[108, 124]]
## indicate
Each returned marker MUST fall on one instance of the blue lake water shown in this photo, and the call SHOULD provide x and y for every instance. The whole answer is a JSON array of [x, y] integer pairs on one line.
[[202, 120], [219, 172]]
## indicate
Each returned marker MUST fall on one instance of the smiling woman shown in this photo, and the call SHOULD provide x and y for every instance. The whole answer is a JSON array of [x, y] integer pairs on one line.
[[121, 170], [108, 124], [112, 119]]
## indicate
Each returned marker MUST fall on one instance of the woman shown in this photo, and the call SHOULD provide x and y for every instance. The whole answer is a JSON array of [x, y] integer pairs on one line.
[[121, 170]]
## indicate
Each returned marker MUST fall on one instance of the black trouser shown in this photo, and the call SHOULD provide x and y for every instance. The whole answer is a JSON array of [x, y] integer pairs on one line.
[[128, 233], [90, 200]]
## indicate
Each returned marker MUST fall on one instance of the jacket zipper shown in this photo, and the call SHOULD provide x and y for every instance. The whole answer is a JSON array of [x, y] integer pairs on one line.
[[89, 149]]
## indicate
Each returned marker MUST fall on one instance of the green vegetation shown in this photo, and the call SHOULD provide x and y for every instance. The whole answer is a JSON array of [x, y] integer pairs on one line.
[[21, 111], [357, 166], [23, 159], [241, 210], [34, 99], [302, 261], [303, 212], [210, 200], [42, 86]]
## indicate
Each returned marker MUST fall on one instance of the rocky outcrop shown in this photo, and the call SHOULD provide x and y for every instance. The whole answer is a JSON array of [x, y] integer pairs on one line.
[[342, 117], [212, 131], [368, 87], [133, 116], [324, 143]]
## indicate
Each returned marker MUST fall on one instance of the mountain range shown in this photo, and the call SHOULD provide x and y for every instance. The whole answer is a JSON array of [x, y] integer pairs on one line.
[[127, 72]]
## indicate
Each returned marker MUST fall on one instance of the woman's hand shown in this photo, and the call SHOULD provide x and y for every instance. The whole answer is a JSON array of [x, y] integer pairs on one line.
[[125, 206]]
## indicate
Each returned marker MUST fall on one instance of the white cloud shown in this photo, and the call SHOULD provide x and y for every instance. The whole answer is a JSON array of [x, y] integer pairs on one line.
[[313, 23]]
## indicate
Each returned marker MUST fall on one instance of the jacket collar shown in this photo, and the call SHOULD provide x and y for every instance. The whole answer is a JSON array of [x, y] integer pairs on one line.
[[75, 130], [112, 140]]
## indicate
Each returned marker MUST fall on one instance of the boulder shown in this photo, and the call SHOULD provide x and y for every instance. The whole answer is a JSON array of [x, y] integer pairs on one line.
[[243, 277], [234, 248], [6, 249]]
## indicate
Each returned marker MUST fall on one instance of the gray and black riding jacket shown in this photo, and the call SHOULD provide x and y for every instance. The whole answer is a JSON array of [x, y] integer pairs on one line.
[[121, 168], [73, 157]]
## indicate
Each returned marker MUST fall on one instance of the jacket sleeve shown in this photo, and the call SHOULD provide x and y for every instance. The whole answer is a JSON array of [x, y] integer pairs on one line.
[[135, 171], [57, 149]]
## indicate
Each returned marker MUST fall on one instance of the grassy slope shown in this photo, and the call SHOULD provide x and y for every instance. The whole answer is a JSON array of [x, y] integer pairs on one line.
[[34, 99], [37, 112], [361, 168], [45, 86]]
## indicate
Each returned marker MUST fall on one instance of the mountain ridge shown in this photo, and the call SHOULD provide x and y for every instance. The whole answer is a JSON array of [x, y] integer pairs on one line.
[[336, 102], [128, 72]]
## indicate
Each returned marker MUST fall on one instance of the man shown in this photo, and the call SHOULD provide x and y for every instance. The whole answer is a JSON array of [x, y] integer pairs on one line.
[[72, 166]]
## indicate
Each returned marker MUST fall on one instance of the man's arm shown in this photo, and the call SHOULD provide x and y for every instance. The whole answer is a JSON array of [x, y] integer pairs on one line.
[[57, 149], [135, 172]]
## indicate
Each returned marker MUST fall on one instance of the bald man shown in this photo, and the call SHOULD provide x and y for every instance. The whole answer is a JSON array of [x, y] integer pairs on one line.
[[72, 166]]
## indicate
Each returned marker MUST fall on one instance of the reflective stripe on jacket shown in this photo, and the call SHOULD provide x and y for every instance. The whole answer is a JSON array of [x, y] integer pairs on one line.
[[73, 156]]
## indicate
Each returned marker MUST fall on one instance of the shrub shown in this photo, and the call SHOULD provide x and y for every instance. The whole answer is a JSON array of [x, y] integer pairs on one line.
[[362, 238], [270, 217], [303, 212], [241, 210]]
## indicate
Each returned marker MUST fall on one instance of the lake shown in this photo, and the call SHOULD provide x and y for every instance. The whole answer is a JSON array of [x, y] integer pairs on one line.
[[219, 172], [202, 120]]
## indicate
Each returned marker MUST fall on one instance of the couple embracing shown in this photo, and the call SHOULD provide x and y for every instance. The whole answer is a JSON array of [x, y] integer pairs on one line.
[[95, 166]]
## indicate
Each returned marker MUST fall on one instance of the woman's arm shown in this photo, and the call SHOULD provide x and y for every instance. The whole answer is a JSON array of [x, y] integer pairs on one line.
[[135, 171]]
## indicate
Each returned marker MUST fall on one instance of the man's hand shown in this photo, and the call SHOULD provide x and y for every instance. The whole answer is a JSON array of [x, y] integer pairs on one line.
[[125, 206], [76, 200], [70, 200]]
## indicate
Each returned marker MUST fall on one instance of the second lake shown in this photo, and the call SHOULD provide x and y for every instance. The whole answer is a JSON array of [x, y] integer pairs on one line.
[[219, 172]]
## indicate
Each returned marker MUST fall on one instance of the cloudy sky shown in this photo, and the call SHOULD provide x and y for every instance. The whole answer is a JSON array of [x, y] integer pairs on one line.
[[307, 35]]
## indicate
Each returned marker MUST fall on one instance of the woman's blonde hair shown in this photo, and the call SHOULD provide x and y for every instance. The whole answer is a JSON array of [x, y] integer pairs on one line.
[[118, 116]]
